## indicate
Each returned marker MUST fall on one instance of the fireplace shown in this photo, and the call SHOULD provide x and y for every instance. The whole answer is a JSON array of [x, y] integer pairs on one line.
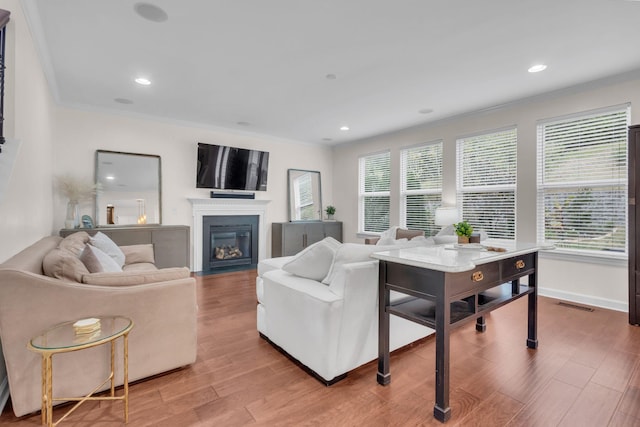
[[229, 241]]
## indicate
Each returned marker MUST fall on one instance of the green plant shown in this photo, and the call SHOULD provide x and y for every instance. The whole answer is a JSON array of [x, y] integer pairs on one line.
[[330, 210], [463, 228]]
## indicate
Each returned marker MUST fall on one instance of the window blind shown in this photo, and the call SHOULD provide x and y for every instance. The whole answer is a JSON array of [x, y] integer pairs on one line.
[[374, 192], [421, 186], [486, 182], [582, 182]]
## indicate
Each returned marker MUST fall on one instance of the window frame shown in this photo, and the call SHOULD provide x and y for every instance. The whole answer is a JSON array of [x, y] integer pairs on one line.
[[404, 192], [362, 194], [601, 256], [462, 189]]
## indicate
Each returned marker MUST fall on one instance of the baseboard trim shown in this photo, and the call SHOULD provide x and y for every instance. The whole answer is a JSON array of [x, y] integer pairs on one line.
[[584, 299], [4, 393]]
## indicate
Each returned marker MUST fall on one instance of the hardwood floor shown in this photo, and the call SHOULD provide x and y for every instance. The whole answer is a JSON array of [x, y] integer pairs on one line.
[[586, 372]]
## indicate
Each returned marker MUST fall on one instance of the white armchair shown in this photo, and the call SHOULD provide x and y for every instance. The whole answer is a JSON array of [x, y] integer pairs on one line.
[[329, 328]]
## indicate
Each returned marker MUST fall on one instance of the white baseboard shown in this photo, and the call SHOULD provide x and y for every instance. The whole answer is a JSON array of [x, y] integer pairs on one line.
[[4, 393], [584, 299]]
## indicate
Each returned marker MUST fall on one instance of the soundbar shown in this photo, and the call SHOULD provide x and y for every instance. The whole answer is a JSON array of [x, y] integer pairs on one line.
[[215, 195]]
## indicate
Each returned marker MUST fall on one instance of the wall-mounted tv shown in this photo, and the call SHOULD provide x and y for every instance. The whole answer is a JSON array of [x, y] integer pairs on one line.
[[229, 168]]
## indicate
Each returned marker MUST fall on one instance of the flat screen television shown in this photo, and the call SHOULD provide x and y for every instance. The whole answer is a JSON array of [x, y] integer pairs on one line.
[[229, 168]]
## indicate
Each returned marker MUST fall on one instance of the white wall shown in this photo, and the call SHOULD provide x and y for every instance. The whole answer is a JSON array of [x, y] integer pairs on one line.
[[603, 285], [78, 134], [25, 210], [25, 207]]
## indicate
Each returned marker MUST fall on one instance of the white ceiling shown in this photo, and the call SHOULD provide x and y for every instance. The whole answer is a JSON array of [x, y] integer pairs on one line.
[[261, 66]]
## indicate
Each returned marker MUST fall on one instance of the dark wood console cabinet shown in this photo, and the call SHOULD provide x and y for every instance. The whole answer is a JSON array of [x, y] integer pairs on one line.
[[170, 242], [289, 238], [634, 221]]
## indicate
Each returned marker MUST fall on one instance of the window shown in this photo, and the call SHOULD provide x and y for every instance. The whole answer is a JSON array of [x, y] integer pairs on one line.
[[374, 192], [421, 191], [582, 181], [486, 182]]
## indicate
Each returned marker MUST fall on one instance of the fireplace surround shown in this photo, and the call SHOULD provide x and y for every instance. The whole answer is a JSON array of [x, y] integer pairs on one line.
[[223, 207]]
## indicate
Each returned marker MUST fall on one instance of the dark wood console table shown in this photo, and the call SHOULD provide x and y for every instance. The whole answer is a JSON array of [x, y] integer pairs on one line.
[[447, 288]]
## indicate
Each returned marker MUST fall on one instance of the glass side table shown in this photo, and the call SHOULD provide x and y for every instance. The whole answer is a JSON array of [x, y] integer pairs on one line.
[[65, 338]]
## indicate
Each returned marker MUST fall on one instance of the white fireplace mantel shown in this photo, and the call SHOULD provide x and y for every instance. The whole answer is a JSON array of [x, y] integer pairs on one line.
[[212, 207]]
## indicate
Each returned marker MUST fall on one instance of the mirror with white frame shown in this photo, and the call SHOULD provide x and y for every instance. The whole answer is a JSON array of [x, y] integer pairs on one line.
[[305, 195], [130, 189]]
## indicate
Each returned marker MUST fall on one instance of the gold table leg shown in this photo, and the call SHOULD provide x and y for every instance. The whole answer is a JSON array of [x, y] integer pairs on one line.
[[126, 377]]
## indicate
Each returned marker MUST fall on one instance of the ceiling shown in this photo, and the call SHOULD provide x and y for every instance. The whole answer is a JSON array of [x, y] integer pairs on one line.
[[300, 69]]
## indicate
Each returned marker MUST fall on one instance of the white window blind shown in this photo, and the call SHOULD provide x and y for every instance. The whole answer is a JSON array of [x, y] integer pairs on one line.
[[582, 182], [486, 182], [374, 192], [421, 186]]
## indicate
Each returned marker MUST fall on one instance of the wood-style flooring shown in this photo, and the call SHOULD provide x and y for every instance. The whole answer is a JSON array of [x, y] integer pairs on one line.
[[586, 372]]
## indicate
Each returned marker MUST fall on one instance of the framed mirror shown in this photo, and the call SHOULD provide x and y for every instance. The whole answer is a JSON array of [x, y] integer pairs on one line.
[[305, 195], [130, 189]]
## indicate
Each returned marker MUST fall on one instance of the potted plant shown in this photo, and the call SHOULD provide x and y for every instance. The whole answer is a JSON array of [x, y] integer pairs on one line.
[[330, 210], [463, 230]]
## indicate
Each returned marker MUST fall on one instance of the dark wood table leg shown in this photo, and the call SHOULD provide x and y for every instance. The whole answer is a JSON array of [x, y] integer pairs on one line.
[[383, 377], [532, 333], [442, 411], [481, 325]]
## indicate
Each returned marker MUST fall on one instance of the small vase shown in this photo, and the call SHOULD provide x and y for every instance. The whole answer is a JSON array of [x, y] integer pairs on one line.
[[463, 239], [72, 219], [330, 217]]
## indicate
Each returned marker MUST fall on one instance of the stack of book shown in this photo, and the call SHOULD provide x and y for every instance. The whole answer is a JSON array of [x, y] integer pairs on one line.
[[86, 327]]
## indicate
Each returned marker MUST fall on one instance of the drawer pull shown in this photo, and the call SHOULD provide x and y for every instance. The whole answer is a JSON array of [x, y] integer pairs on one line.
[[519, 264], [477, 276]]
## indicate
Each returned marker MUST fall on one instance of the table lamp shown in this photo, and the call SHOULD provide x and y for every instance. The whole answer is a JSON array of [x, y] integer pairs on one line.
[[446, 215]]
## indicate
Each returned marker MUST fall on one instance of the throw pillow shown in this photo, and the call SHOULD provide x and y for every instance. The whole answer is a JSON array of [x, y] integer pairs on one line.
[[63, 264], [97, 261], [314, 261], [136, 278], [138, 253], [108, 246], [356, 252]]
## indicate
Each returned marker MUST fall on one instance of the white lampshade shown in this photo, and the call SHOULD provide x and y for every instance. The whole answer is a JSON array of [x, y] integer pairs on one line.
[[446, 215]]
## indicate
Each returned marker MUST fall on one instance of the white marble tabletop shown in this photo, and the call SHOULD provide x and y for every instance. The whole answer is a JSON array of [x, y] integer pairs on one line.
[[455, 258]]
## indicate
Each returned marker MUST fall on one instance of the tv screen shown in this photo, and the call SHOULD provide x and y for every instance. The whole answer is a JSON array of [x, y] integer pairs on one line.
[[229, 168]]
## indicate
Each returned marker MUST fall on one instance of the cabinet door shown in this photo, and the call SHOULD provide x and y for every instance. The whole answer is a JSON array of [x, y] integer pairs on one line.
[[315, 233], [293, 238], [171, 247], [333, 229]]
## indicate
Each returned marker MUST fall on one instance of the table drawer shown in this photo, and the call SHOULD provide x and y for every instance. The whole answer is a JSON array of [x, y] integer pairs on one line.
[[517, 265], [480, 276]]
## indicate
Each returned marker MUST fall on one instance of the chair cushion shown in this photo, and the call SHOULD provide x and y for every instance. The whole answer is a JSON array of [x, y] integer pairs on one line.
[[314, 261], [126, 278]]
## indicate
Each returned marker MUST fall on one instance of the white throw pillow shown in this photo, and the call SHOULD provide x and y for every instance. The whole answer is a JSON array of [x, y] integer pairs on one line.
[[108, 246], [356, 252], [97, 261], [314, 261]]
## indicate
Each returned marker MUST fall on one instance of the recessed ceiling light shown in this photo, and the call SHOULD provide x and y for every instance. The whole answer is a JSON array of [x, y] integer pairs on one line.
[[327, 139], [110, 177], [426, 111], [143, 81], [150, 12], [344, 127], [537, 68], [123, 101], [330, 76], [243, 123]]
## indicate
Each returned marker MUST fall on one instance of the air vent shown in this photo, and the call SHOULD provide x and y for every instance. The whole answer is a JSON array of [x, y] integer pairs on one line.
[[574, 306]]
